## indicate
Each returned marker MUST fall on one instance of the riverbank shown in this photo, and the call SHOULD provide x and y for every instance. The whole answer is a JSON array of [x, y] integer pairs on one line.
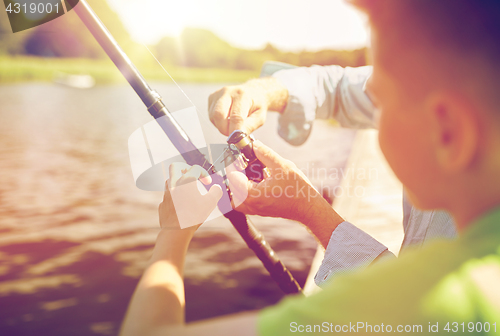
[[39, 69]]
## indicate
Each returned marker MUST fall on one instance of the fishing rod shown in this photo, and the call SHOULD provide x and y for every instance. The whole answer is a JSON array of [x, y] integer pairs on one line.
[[240, 147]]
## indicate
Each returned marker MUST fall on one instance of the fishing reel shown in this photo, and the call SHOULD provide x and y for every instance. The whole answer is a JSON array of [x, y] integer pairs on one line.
[[240, 153]]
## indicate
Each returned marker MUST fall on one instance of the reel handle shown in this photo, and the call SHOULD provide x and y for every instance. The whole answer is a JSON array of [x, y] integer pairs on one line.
[[241, 146]]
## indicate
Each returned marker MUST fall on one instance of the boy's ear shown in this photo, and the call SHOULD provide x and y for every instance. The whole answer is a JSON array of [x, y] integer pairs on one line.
[[455, 130]]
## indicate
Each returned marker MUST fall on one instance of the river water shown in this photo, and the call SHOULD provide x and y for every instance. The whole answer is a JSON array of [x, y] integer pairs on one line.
[[75, 232]]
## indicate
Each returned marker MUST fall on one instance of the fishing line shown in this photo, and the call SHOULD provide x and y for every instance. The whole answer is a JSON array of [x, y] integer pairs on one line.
[[242, 143], [173, 80], [185, 95]]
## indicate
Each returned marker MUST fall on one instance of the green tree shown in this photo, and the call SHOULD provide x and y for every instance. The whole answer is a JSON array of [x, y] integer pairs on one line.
[[67, 36], [202, 48]]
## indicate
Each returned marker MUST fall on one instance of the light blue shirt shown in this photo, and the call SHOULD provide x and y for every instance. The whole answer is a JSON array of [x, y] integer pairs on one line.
[[334, 92]]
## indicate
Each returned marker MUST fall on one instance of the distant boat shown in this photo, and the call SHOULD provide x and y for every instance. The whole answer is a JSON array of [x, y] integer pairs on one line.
[[75, 81]]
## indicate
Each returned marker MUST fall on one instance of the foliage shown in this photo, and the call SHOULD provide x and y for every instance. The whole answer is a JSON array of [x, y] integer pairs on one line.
[[197, 49], [24, 68], [202, 48], [65, 36]]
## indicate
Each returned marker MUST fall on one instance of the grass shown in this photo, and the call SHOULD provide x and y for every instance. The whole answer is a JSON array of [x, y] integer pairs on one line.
[[24, 68]]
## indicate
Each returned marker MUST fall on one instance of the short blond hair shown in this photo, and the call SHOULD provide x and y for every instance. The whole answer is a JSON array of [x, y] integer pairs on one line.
[[466, 31]]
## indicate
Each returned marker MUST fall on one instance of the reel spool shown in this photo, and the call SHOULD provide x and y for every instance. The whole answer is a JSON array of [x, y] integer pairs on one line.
[[240, 152]]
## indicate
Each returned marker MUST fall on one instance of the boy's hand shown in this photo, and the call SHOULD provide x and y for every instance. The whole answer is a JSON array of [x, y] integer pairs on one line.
[[183, 204]]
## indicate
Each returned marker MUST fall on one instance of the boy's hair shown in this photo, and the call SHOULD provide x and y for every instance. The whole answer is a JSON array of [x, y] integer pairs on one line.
[[464, 32]]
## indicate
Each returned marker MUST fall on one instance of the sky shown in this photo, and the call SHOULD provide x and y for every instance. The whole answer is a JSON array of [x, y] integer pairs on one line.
[[287, 24]]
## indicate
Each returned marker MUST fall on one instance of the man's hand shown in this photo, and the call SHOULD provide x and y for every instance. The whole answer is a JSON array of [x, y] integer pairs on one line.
[[287, 193], [244, 107], [183, 204]]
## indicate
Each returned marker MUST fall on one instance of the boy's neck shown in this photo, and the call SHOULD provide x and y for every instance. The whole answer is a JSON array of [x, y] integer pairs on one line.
[[466, 216]]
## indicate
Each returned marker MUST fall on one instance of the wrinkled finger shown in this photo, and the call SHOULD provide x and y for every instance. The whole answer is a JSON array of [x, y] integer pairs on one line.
[[212, 99], [241, 187], [238, 113], [255, 120], [268, 157], [219, 113]]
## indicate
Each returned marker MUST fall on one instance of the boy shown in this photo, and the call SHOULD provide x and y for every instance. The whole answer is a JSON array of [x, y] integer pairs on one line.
[[435, 80]]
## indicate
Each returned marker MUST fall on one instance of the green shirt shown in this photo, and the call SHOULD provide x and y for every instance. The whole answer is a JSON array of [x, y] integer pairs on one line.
[[451, 287]]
